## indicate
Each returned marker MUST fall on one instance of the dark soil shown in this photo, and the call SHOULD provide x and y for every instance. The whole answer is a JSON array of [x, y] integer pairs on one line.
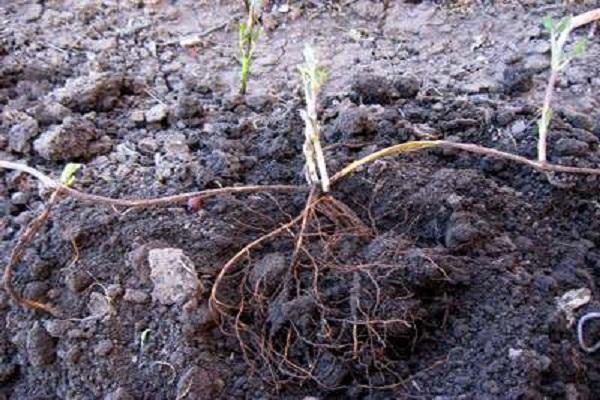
[[432, 275]]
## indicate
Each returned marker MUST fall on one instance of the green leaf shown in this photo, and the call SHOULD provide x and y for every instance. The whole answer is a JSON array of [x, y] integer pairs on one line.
[[68, 175], [580, 47], [564, 24], [549, 23]]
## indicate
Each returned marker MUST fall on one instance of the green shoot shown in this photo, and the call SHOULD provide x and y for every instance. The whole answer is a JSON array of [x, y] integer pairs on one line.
[[67, 177], [144, 338], [559, 33], [248, 37], [313, 76]]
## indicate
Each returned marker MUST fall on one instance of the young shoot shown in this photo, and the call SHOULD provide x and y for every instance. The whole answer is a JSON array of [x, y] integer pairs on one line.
[[249, 34], [559, 33], [313, 76]]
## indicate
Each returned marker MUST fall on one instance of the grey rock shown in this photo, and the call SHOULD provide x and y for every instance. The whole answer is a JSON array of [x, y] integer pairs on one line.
[[373, 89], [197, 319], [259, 102], [119, 394], [200, 383], [173, 275], [571, 147], [50, 112], [20, 135], [19, 198], [137, 116], [98, 305], [136, 296], [407, 86], [36, 290], [32, 12], [71, 140], [158, 113], [57, 327], [78, 280], [114, 290], [354, 121], [41, 348], [97, 91], [537, 62], [517, 79], [579, 120]]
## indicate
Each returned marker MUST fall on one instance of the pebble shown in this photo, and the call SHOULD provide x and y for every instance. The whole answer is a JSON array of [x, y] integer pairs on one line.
[[78, 281], [173, 275], [156, 114], [41, 349], [19, 198], [20, 135], [119, 394], [570, 147], [136, 296]]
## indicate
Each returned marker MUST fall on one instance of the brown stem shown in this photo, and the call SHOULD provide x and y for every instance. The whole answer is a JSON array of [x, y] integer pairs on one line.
[[17, 254], [146, 203], [585, 18]]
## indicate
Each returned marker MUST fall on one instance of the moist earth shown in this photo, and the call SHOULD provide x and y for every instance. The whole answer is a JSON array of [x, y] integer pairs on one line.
[[464, 256]]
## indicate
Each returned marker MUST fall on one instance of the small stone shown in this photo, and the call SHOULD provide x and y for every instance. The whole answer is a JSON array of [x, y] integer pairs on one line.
[[57, 327], [137, 116], [114, 290], [407, 87], [77, 281], [354, 122], [71, 140], [537, 63], [259, 102], [98, 305], [119, 394], [198, 319], [41, 348], [514, 354], [103, 348], [32, 12], [571, 147], [517, 79], [147, 145], [20, 135], [36, 290], [94, 92], [200, 383], [173, 275], [545, 283], [156, 114], [372, 89], [50, 112], [579, 120], [136, 296], [19, 198], [76, 334]]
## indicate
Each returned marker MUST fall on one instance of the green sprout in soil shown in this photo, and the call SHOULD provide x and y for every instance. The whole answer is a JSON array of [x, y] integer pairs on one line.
[[313, 76], [249, 34], [559, 33]]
